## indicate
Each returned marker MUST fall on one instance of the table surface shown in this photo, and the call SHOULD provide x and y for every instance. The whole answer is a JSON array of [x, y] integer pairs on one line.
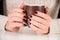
[[28, 34]]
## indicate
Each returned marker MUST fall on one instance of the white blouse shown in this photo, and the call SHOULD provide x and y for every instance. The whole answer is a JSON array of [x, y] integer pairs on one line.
[[53, 5], [53, 10]]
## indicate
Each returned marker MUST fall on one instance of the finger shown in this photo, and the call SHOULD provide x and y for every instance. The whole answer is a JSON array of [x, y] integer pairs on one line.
[[37, 30], [46, 10], [42, 15], [15, 14], [39, 25], [17, 10], [40, 20], [15, 19], [15, 24], [15, 29], [22, 6]]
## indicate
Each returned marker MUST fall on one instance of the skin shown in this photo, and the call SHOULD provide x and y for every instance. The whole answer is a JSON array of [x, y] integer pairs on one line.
[[15, 19], [40, 26]]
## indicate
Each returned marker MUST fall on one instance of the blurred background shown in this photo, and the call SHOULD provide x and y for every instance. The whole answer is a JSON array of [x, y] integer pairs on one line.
[[1, 7], [4, 8]]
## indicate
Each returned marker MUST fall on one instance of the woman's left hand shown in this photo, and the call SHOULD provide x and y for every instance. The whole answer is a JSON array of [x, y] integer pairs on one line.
[[40, 23]]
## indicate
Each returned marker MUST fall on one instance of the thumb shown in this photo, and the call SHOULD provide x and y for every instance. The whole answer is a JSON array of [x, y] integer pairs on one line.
[[46, 10]]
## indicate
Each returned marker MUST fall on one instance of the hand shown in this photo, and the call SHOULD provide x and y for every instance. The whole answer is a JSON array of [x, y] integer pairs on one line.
[[40, 22], [16, 19]]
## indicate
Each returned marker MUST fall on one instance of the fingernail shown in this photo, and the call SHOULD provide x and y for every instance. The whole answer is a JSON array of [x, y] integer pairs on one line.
[[35, 12], [30, 16], [24, 12], [30, 23], [25, 16], [25, 25], [29, 19], [25, 20]]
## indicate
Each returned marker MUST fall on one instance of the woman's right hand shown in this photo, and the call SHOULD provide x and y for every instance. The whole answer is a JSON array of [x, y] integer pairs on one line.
[[16, 19]]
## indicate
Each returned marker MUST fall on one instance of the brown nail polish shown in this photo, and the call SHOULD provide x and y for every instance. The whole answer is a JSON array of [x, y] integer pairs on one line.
[[25, 20], [24, 12], [29, 19], [29, 23], [25, 25], [35, 12], [30, 16], [25, 16]]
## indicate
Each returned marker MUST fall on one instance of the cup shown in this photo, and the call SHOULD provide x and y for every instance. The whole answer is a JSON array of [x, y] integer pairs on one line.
[[31, 10]]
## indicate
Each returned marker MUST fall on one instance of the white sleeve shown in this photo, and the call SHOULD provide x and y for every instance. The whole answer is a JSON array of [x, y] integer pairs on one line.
[[3, 21], [55, 26]]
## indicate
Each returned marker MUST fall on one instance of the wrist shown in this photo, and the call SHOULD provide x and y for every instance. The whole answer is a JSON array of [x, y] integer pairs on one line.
[[11, 29], [47, 31], [6, 27]]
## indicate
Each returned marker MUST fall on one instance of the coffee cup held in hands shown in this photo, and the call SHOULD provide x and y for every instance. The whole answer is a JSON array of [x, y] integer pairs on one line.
[[31, 10]]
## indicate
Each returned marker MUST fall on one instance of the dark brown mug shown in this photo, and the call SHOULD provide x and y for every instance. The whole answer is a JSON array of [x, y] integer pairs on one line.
[[31, 10]]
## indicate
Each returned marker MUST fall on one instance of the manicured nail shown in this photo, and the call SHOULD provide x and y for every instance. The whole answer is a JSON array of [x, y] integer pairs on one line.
[[25, 16], [25, 25], [25, 20], [35, 12], [24, 12], [29, 19], [29, 23], [30, 16]]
